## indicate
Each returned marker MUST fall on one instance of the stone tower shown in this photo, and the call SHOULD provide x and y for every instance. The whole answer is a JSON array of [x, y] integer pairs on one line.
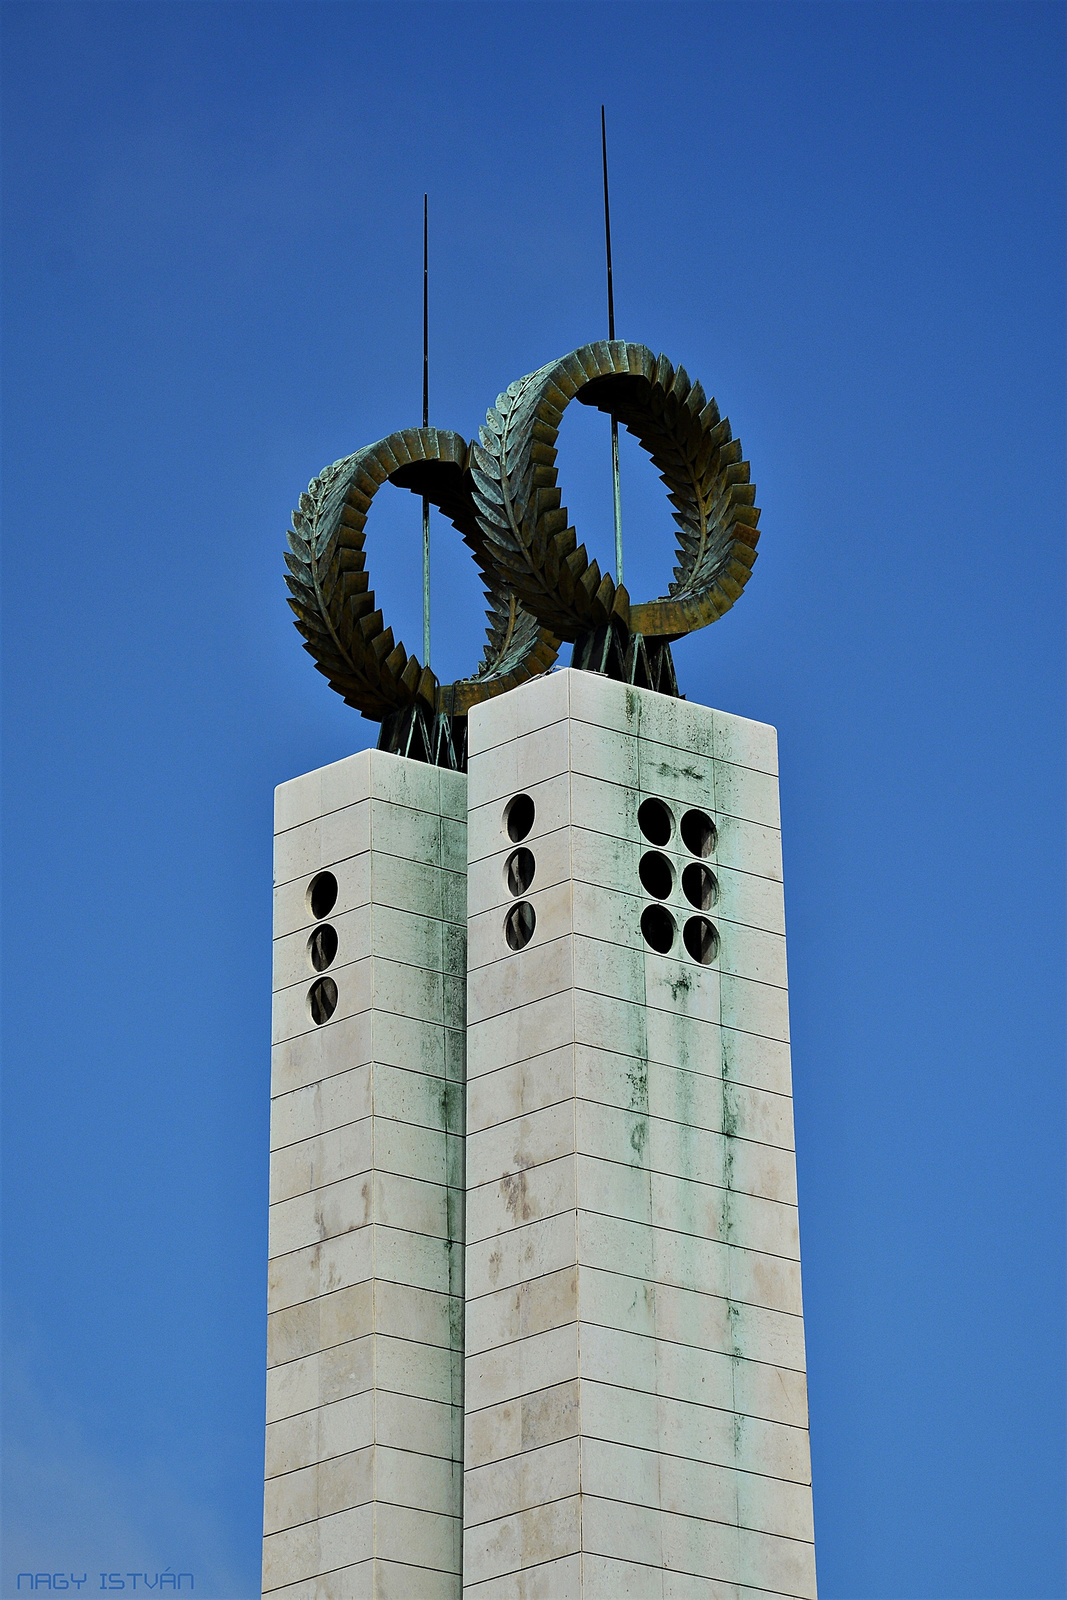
[[555, 1044]]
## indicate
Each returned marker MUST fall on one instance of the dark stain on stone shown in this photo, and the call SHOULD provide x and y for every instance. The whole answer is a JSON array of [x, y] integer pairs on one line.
[[513, 1185]]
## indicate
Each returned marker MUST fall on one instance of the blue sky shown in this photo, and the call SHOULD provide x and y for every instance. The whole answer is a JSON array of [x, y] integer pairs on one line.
[[847, 221]]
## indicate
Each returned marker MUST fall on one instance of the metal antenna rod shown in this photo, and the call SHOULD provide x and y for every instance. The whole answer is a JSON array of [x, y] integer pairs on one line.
[[426, 424], [611, 335]]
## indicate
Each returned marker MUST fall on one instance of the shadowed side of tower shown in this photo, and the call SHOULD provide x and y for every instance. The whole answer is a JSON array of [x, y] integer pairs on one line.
[[363, 1491]]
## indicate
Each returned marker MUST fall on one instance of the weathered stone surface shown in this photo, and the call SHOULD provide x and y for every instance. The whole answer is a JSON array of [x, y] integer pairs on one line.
[[363, 1491], [635, 1404]]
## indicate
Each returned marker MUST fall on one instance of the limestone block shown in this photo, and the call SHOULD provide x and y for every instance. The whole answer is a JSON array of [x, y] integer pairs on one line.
[[677, 776], [646, 1478], [396, 1580], [526, 709], [752, 953], [539, 1361], [410, 1313], [319, 1490], [608, 1578], [339, 1207], [643, 1535], [523, 1539], [669, 983], [525, 1252], [408, 1151], [404, 1534], [317, 1324], [722, 1213], [426, 1483], [759, 1115], [400, 883], [664, 1145], [357, 1581], [534, 1306], [402, 1419], [710, 1322], [661, 1255], [526, 1086], [423, 1261], [743, 743], [529, 758], [787, 1563], [604, 752], [750, 847], [308, 1058], [604, 807], [520, 1142], [416, 1098], [408, 1204], [755, 1061], [326, 1159], [486, 834], [698, 1100], [526, 1195], [312, 1436], [292, 1014], [647, 1034], [502, 1040], [335, 837], [414, 836], [527, 1423], [552, 865], [403, 989], [741, 792], [550, 1580], [318, 1269], [319, 1107], [541, 970], [405, 1366], [487, 941], [752, 901], [292, 958], [771, 1505], [520, 1482], [320, 1378], [300, 1553], [756, 1008], [694, 1432]]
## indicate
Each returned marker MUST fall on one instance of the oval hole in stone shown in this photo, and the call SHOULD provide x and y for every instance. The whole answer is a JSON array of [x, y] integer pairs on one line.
[[700, 886], [699, 833], [657, 874], [519, 817], [322, 947], [322, 1000], [322, 894], [657, 925], [519, 872], [701, 939], [519, 925], [655, 822]]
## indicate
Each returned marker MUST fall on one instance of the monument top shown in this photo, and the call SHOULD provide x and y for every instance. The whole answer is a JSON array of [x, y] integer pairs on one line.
[[501, 493]]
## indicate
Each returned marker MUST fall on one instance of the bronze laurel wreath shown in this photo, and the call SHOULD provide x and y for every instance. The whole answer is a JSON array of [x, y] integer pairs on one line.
[[502, 496], [526, 527], [334, 604]]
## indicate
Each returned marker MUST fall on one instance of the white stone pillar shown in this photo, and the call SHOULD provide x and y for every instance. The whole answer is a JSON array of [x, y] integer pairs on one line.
[[636, 1415], [363, 1492]]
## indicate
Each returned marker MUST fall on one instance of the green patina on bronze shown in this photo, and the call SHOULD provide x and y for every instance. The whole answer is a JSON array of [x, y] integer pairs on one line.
[[525, 524], [501, 494]]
